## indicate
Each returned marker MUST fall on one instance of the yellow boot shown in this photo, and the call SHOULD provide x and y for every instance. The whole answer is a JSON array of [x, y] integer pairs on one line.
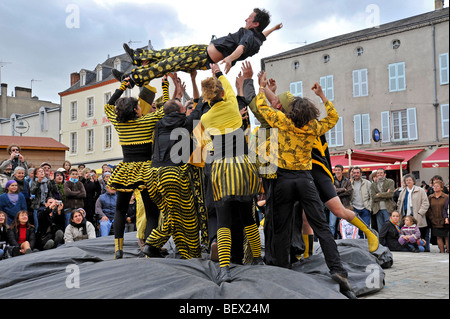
[[372, 237], [309, 243], [118, 248]]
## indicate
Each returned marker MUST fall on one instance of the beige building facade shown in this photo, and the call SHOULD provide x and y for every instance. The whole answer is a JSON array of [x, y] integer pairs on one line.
[[393, 78]]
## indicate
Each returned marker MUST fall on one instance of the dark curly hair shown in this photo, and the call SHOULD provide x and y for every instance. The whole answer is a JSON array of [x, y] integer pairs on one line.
[[302, 111], [126, 109]]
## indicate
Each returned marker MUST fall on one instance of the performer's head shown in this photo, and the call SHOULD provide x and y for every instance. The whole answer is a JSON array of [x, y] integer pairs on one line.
[[127, 109], [212, 90], [174, 106], [259, 19], [302, 110]]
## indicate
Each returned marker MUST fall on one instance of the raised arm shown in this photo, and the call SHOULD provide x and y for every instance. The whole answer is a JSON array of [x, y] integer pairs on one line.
[[276, 27]]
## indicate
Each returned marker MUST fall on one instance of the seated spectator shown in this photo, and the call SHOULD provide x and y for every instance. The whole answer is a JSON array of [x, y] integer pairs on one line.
[[15, 159], [51, 225], [12, 201], [3, 234], [390, 232], [75, 194], [104, 181], [21, 235], [410, 236], [105, 208], [79, 228]]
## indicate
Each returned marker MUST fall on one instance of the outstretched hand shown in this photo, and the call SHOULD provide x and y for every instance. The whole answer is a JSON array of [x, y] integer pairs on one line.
[[227, 61], [214, 68]]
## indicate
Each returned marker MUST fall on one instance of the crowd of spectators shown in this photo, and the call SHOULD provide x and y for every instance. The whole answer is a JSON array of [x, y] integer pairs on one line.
[[43, 207]]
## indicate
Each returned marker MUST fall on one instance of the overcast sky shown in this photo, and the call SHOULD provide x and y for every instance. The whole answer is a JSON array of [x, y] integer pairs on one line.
[[49, 39]]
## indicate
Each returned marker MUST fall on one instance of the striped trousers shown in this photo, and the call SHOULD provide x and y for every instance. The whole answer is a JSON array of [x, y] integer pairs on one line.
[[169, 187], [186, 58]]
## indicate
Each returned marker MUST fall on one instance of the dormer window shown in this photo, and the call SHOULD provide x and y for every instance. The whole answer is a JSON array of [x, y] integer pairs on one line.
[[83, 78], [117, 65], [99, 74]]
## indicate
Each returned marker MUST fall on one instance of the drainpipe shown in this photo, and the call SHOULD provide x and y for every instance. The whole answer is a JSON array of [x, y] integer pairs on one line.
[[435, 104]]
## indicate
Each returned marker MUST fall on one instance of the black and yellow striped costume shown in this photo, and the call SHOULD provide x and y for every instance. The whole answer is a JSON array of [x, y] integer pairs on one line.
[[185, 58], [234, 178], [170, 189], [135, 137]]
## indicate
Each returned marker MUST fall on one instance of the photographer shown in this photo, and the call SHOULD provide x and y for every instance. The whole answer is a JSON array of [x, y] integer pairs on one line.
[[51, 224], [15, 159]]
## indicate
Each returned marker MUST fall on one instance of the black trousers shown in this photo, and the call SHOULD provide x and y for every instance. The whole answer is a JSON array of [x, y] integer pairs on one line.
[[290, 187], [123, 201]]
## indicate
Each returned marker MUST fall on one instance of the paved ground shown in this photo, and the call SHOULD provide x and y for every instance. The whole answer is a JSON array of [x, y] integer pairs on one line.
[[416, 276]]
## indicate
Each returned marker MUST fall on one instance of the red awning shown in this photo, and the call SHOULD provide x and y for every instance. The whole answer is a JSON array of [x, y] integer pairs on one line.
[[438, 159], [371, 165], [374, 157]]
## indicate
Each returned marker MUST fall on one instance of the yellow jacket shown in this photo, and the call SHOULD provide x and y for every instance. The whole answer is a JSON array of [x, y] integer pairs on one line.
[[295, 144]]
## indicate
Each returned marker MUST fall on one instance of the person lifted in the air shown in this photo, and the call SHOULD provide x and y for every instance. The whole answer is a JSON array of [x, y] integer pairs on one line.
[[227, 50]]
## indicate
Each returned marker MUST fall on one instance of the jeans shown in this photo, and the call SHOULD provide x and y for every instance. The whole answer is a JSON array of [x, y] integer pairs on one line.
[[382, 217], [332, 222], [105, 227], [365, 216]]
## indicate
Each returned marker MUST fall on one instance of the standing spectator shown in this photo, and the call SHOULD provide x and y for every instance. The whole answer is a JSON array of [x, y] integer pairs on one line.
[[79, 228], [381, 193], [11, 202], [104, 182], [105, 208], [361, 201], [75, 194], [21, 235], [67, 166], [41, 188], [51, 225], [93, 189], [59, 179], [3, 233], [24, 188], [438, 215], [15, 159], [344, 190], [413, 201]]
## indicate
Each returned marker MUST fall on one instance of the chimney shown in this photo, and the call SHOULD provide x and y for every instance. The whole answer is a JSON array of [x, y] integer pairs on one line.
[[3, 101], [150, 46], [4, 89], [74, 78], [22, 92], [438, 4]]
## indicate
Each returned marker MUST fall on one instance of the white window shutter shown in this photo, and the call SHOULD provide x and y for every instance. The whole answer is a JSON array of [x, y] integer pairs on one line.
[[330, 88], [357, 128], [445, 120], [385, 127], [364, 83], [365, 127], [356, 83], [443, 68], [412, 123], [401, 78], [339, 133], [392, 78]]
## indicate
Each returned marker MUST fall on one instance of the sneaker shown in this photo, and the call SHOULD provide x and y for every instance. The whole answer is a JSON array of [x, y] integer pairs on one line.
[[129, 51]]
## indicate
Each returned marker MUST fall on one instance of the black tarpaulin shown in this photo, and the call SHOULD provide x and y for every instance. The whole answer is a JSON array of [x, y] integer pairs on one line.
[[87, 269]]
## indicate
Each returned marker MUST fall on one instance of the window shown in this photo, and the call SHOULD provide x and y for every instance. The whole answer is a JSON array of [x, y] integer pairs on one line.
[[359, 51], [361, 124], [89, 141], [296, 65], [99, 74], [89, 107], [83, 78], [397, 80], [117, 65], [403, 124], [107, 141], [296, 88], [326, 58], [443, 68], [396, 44], [73, 143], [335, 136], [444, 120], [326, 82], [73, 111], [360, 83], [43, 119]]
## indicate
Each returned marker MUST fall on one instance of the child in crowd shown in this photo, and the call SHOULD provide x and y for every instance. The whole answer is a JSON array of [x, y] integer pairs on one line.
[[410, 234]]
